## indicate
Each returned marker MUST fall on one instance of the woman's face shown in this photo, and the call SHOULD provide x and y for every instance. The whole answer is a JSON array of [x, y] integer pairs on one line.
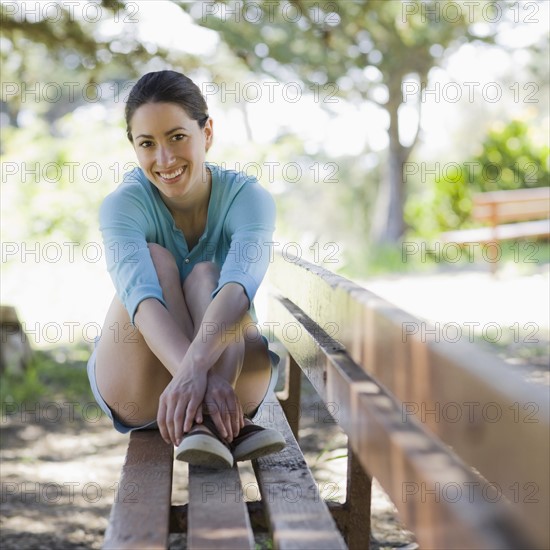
[[171, 148]]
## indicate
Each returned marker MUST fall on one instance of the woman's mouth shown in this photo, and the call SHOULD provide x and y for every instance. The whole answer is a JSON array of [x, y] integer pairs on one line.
[[170, 177]]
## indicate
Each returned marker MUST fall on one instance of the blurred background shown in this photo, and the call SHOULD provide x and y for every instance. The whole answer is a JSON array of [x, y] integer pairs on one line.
[[372, 123]]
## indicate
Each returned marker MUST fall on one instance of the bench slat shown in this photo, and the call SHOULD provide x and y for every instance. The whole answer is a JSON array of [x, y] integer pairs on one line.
[[298, 516], [141, 511], [425, 373], [523, 230], [513, 195], [217, 514]]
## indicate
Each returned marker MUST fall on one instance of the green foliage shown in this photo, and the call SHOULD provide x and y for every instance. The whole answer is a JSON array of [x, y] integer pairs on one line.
[[325, 42], [54, 375], [508, 159], [67, 34], [21, 387], [58, 184]]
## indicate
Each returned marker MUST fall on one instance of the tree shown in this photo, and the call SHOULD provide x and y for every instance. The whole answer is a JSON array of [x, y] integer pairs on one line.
[[368, 49]]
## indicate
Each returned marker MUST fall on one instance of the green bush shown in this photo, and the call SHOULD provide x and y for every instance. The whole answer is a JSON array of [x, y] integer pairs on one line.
[[508, 159]]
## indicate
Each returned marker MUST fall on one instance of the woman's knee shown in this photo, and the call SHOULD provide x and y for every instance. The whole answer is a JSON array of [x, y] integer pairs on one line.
[[203, 273], [164, 262]]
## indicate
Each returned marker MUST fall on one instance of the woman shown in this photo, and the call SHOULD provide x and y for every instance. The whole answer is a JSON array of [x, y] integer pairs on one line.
[[174, 353]]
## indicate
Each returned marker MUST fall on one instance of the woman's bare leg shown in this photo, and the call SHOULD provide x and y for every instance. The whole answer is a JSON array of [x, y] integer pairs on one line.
[[131, 378], [244, 364]]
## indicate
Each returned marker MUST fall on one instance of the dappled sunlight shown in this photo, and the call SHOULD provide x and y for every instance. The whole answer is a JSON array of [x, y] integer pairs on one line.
[[373, 125]]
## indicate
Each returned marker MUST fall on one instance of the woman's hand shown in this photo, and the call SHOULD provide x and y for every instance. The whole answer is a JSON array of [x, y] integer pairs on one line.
[[179, 402], [222, 404]]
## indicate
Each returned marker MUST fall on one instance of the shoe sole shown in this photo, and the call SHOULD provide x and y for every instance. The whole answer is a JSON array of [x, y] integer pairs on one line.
[[264, 443], [204, 450]]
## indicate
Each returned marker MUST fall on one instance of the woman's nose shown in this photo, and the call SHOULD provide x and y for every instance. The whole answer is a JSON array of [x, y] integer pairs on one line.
[[165, 157]]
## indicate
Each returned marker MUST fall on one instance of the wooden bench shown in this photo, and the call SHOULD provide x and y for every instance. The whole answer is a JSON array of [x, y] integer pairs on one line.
[[496, 208], [468, 480]]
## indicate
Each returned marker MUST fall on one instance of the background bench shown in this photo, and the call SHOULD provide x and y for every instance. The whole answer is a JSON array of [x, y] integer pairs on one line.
[[458, 482], [498, 208]]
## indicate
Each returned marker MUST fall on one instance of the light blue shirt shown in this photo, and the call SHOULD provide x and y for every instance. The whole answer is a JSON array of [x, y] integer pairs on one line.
[[238, 235]]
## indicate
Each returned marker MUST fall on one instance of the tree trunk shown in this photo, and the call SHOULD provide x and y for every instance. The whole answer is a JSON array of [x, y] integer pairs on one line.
[[388, 224]]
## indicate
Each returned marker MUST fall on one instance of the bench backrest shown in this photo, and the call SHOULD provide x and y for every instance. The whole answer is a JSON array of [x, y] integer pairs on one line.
[[455, 436], [515, 205]]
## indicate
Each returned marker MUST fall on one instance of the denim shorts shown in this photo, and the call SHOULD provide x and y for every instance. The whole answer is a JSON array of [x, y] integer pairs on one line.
[[274, 359]]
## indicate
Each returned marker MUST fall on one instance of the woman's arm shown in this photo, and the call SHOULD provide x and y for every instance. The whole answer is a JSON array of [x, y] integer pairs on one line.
[[220, 327], [190, 362]]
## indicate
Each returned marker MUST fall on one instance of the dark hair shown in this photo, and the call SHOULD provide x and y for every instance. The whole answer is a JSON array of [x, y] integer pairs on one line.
[[167, 87]]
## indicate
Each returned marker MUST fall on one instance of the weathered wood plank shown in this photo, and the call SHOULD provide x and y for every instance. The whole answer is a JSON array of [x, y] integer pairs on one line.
[[256, 513], [512, 205], [522, 230], [298, 516], [141, 511], [217, 514], [442, 500], [457, 378]]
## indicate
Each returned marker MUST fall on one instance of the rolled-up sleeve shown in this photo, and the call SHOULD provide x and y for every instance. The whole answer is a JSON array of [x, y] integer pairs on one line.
[[249, 226], [123, 224]]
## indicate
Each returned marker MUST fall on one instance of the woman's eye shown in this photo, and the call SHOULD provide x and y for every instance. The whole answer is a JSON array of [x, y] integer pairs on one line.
[[145, 144], [178, 137]]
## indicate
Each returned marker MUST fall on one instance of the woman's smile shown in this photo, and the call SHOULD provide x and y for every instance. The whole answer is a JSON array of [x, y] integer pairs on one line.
[[172, 176]]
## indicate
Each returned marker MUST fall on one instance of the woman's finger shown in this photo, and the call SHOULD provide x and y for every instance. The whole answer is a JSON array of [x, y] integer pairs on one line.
[[179, 414], [217, 417], [170, 408], [235, 415], [241, 415], [161, 420], [190, 413], [226, 419]]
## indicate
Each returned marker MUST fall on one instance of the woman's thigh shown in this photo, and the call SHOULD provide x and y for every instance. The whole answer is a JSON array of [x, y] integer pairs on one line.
[[129, 376]]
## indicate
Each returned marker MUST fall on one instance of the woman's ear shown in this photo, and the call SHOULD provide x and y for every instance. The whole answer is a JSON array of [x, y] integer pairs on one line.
[[208, 133]]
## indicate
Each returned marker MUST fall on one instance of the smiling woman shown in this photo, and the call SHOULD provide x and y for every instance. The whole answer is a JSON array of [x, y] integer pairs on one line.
[[176, 232]]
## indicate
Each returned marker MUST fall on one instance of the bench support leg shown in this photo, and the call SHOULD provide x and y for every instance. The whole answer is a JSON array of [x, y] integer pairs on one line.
[[358, 499], [289, 397]]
